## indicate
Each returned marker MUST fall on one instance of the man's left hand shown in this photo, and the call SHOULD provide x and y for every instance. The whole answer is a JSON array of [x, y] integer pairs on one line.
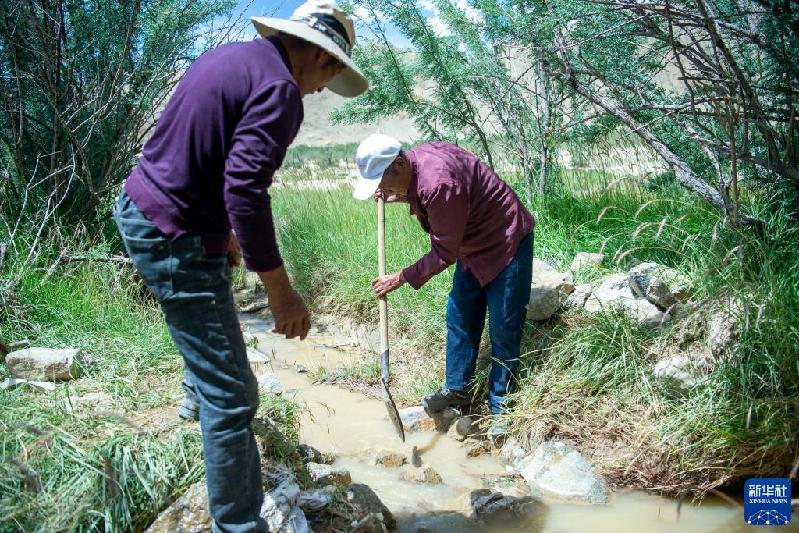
[[385, 284]]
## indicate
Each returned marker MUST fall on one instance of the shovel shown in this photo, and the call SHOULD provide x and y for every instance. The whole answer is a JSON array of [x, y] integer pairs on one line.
[[393, 414]]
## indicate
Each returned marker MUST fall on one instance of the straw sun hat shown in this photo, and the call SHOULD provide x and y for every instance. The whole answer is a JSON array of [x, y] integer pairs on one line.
[[322, 23]]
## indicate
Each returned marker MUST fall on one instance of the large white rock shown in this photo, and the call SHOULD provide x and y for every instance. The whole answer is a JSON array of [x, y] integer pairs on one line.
[[45, 364], [615, 293], [677, 282], [281, 509], [586, 259], [548, 290], [557, 471]]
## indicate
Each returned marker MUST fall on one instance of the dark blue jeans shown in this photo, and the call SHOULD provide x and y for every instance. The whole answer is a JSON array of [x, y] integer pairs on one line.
[[506, 298], [194, 291]]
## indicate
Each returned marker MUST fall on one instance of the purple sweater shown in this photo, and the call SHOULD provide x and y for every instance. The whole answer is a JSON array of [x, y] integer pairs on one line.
[[217, 145], [471, 215]]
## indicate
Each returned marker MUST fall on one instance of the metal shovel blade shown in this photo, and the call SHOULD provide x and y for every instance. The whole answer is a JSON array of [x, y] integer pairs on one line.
[[391, 407]]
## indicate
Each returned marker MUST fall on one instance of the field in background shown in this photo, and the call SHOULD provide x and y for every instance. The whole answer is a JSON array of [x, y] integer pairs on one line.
[[590, 379]]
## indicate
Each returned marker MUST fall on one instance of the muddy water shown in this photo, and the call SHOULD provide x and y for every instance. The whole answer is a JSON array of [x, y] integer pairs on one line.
[[353, 427]]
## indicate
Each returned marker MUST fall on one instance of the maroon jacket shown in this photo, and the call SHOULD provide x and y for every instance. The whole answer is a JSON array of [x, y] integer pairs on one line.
[[471, 214]]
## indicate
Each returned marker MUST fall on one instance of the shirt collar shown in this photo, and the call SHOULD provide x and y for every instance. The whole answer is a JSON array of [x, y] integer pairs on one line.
[[284, 55]]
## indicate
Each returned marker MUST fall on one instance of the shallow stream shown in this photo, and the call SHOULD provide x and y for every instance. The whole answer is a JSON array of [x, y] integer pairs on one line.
[[352, 427]]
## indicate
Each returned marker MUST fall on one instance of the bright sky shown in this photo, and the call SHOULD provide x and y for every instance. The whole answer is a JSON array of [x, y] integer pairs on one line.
[[284, 8]]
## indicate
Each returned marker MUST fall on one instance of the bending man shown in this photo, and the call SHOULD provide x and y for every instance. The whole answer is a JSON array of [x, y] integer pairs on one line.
[[477, 222]]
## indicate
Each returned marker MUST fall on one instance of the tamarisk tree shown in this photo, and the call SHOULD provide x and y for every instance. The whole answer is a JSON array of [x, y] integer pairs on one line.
[[710, 86]]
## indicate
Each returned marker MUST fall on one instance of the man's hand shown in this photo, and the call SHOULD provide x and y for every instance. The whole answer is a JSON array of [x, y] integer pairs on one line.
[[385, 284], [391, 197], [291, 315], [233, 251]]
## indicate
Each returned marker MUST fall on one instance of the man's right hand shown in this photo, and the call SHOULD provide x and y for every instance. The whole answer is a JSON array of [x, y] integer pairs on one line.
[[292, 318]]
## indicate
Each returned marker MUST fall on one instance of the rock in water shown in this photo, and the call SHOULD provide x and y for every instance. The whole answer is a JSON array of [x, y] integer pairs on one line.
[[492, 506], [281, 511], [309, 454], [586, 259], [328, 475], [416, 419], [512, 451], [45, 364], [189, 514], [365, 502], [389, 459], [557, 471], [425, 474]]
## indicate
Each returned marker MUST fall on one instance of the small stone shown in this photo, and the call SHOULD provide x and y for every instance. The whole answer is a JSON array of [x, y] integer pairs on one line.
[[722, 330], [475, 448], [45, 364], [660, 295], [425, 474], [678, 283], [301, 369], [586, 259], [548, 291], [538, 433], [269, 382], [189, 514], [678, 371], [455, 434], [576, 300], [364, 502], [323, 474], [416, 419], [493, 506], [512, 451], [13, 383], [309, 454], [389, 459], [255, 305], [281, 511], [313, 501], [614, 292], [557, 471]]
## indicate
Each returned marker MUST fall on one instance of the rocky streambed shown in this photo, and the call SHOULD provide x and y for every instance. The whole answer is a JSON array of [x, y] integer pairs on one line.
[[357, 475]]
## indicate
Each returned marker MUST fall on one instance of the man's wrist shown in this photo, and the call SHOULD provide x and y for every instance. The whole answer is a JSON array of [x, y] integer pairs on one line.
[[276, 281]]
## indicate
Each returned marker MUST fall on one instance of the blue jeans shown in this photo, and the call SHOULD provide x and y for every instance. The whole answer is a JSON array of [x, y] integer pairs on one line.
[[194, 291], [506, 298]]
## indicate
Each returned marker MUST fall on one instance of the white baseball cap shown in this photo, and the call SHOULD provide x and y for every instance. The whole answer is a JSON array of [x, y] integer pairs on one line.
[[374, 155]]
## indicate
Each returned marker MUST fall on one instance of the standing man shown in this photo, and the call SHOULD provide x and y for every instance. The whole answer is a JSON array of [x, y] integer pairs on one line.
[[205, 172], [476, 221]]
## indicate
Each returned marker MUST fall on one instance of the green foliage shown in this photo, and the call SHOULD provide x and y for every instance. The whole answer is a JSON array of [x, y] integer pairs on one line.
[[68, 463], [82, 84]]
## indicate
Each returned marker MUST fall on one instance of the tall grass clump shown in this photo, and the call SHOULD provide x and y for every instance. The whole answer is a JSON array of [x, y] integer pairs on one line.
[[105, 451]]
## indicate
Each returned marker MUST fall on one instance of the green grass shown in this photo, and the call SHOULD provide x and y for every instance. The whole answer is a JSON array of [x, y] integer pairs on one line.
[[591, 378], [66, 465]]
